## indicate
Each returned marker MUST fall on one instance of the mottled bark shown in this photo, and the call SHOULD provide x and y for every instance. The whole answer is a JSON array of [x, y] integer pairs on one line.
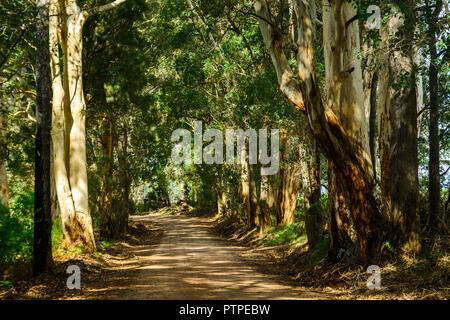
[[69, 131], [370, 84], [342, 137], [4, 190], [124, 183], [345, 97], [373, 129]]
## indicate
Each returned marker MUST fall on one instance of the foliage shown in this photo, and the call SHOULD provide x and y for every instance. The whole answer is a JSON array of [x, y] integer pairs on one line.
[[16, 230]]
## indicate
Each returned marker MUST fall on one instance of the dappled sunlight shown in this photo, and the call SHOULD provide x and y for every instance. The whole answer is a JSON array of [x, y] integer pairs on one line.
[[193, 263]]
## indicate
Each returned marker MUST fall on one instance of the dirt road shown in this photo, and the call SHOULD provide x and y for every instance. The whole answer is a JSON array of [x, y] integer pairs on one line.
[[192, 262]]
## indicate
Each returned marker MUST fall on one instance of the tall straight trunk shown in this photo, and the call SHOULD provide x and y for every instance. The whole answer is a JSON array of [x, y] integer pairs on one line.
[[245, 188], [70, 126], [398, 130], [4, 190], [222, 194], [108, 144], [222, 201], [418, 60], [54, 197], [77, 151], [289, 179], [74, 225], [263, 198], [254, 196], [42, 248], [373, 122], [124, 182], [267, 201], [309, 160], [370, 85], [434, 185]]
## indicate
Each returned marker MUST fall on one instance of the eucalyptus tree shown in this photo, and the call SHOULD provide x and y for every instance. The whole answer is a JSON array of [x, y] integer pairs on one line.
[[69, 112]]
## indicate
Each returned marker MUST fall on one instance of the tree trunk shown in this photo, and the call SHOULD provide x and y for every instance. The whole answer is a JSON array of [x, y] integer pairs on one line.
[[434, 186], [345, 97], [254, 196], [373, 122], [266, 200], [54, 197], [77, 157], [289, 184], [4, 190], [398, 131], [108, 144], [42, 248], [69, 127], [245, 187], [309, 159], [124, 184], [341, 134], [77, 228]]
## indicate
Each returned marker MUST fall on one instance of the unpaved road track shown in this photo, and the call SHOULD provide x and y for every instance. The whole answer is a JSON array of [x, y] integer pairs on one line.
[[192, 262]]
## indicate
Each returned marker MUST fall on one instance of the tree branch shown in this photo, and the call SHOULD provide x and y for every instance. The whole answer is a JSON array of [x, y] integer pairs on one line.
[[106, 7]]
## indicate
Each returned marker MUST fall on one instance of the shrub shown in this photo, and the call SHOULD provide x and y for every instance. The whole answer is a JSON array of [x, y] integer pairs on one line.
[[16, 230]]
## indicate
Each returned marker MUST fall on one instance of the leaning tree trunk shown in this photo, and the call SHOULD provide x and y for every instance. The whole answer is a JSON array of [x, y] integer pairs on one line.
[[345, 96], [342, 137], [398, 130]]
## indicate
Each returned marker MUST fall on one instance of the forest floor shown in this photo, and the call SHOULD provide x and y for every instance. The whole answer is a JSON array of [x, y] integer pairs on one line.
[[175, 254]]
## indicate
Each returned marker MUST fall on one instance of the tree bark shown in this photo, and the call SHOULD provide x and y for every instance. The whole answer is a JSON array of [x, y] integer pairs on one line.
[[42, 248], [309, 159], [289, 179], [254, 197], [124, 181], [398, 130], [245, 188], [108, 142], [267, 201], [69, 126], [434, 185], [346, 150], [76, 233], [4, 190]]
